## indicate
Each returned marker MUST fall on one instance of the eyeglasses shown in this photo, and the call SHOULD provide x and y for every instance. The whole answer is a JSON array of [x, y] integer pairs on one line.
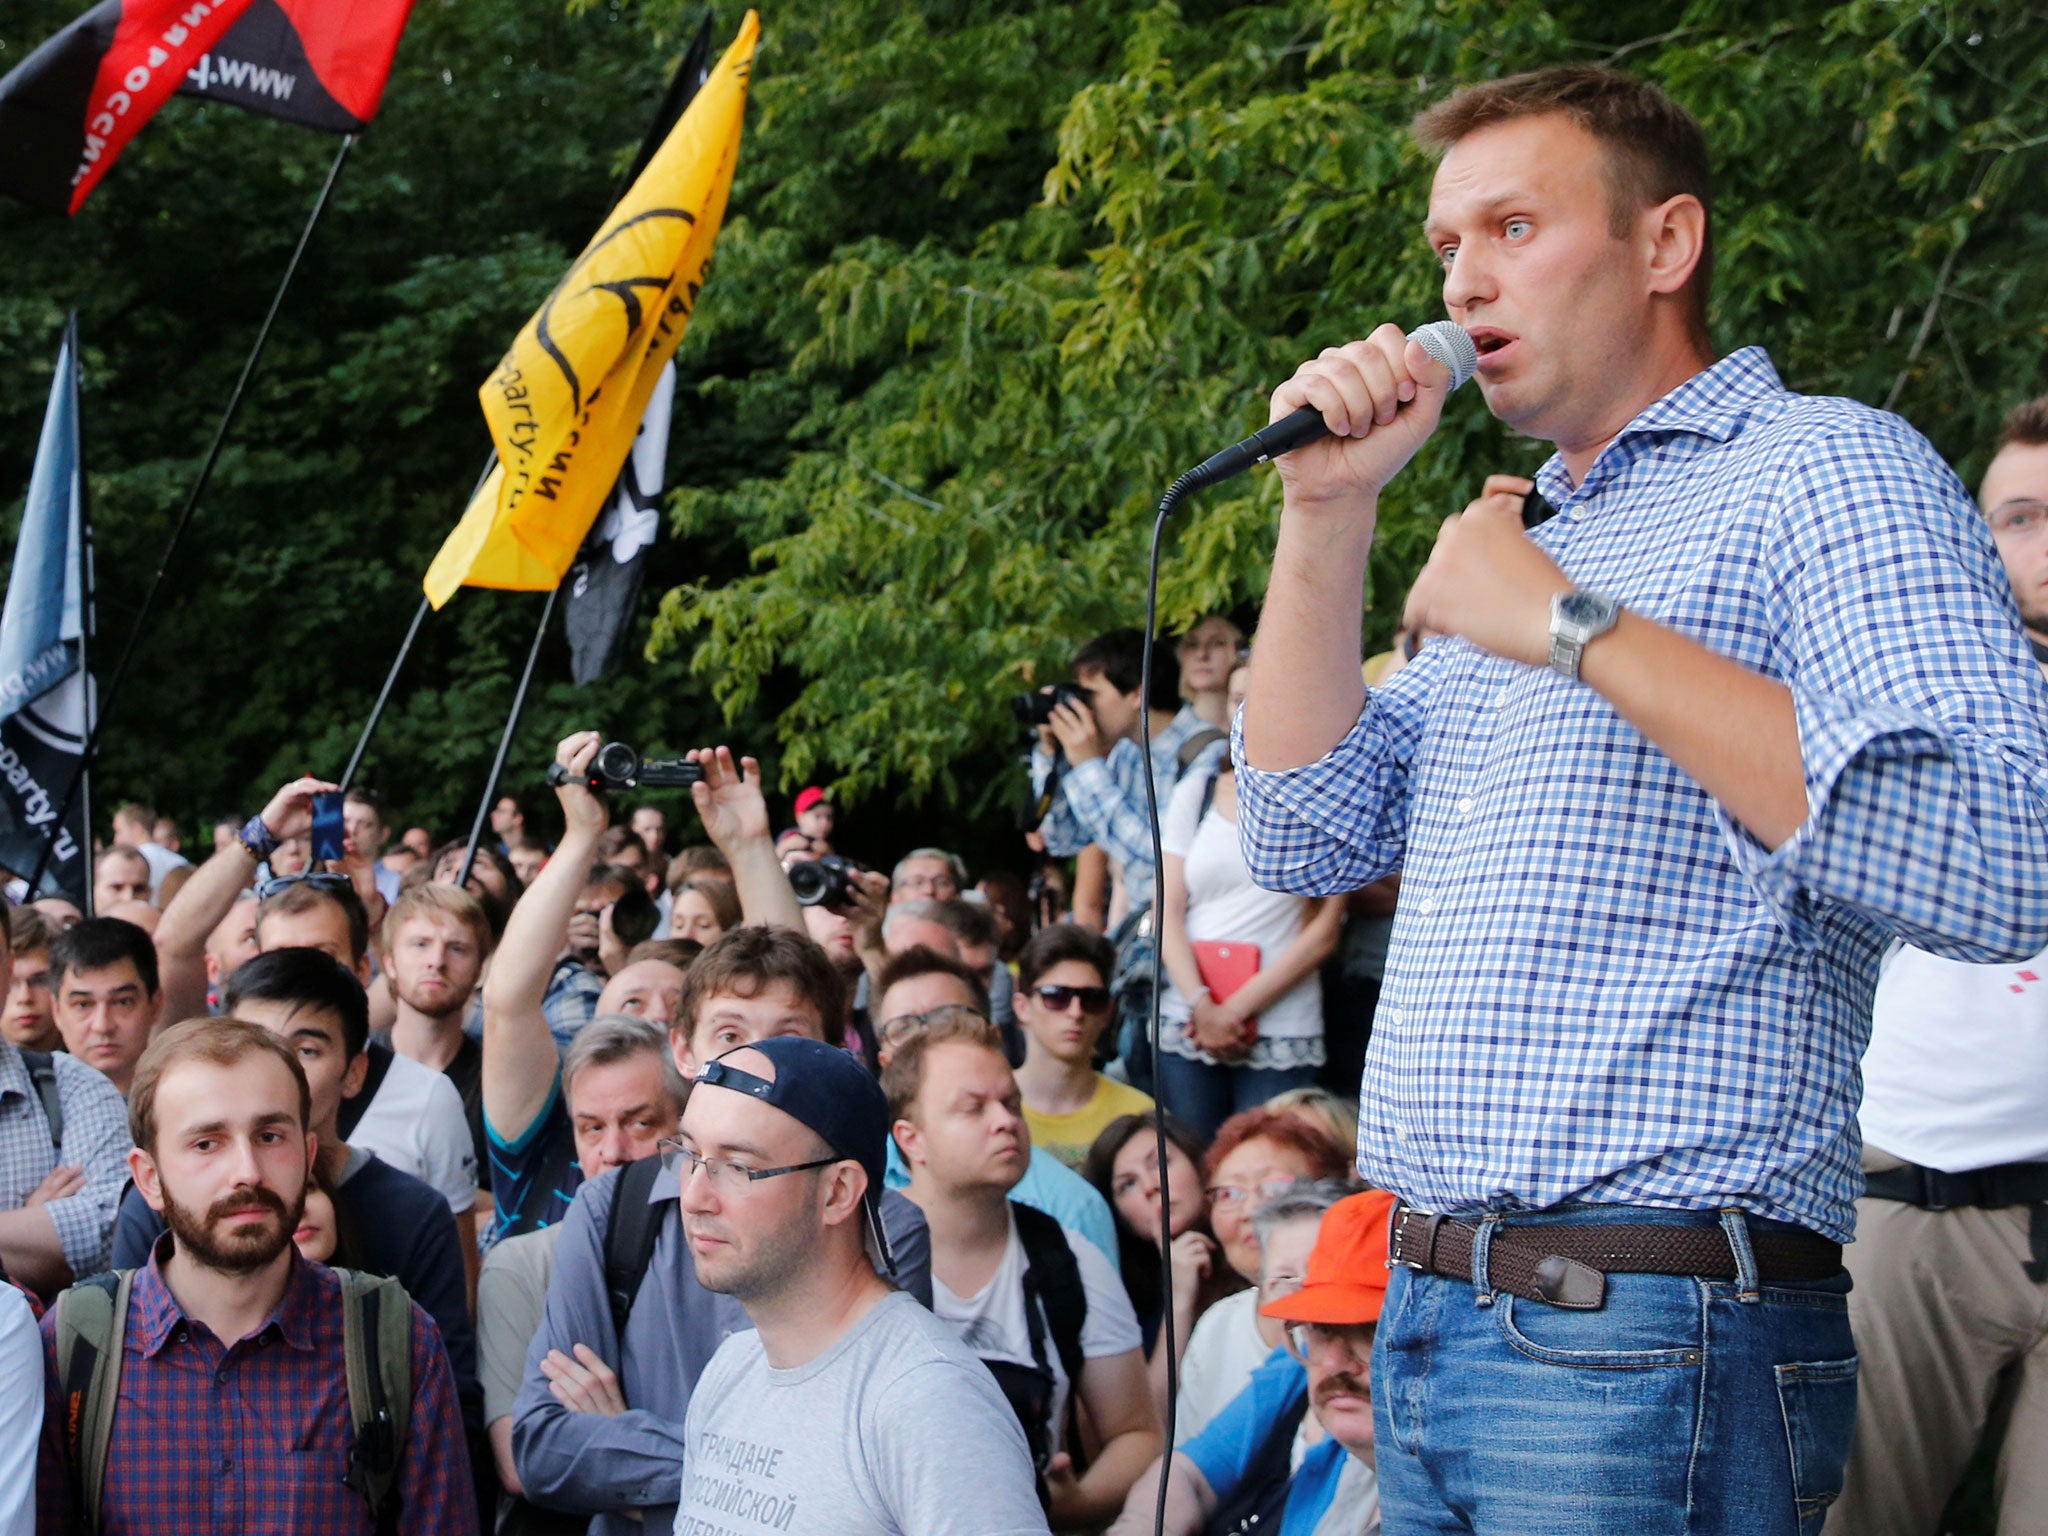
[[318, 879], [1303, 1339], [904, 1025], [1060, 999], [2018, 519], [927, 885], [1237, 1194], [727, 1176]]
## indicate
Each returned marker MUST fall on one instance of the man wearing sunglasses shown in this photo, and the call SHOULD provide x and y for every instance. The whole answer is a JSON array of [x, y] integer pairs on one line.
[[1293, 1452], [849, 1408], [1063, 1003]]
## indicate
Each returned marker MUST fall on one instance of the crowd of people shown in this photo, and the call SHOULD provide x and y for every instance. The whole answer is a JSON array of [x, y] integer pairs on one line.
[[624, 1179]]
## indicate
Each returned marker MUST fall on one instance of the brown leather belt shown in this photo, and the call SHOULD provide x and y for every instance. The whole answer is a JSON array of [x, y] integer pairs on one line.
[[1566, 1264]]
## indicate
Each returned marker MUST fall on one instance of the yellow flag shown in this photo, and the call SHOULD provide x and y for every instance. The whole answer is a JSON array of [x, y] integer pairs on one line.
[[567, 398]]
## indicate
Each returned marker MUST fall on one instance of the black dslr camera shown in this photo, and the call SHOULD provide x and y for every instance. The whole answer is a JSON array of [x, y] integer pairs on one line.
[[1033, 710], [826, 882], [618, 766]]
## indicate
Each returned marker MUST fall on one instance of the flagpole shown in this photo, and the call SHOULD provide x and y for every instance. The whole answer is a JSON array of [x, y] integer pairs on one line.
[[87, 599], [355, 760], [483, 810], [134, 641]]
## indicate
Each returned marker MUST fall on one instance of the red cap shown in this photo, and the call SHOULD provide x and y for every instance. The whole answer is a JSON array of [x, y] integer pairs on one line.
[[806, 798], [1347, 1271]]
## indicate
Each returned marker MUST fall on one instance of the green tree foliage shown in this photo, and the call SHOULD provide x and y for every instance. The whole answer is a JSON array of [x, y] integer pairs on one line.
[[994, 273], [1047, 256]]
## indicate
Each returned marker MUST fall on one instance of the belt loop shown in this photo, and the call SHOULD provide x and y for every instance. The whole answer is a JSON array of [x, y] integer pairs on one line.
[[1736, 1225], [1482, 1250]]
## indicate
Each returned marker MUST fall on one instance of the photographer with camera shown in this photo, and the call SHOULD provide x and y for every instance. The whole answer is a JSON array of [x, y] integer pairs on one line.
[[1088, 771]]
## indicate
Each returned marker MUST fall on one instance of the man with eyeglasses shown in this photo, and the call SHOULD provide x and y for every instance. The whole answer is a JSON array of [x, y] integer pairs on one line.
[[1951, 1256], [1063, 1003], [849, 1409], [1293, 1452], [921, 989], [927, 874]]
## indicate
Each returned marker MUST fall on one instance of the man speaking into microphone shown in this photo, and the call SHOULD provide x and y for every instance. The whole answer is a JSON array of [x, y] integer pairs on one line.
[[1679, 765]]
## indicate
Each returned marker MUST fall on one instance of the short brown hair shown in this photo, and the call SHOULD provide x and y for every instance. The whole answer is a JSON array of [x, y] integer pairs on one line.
[[680, 953], [2025, 426], [223, 1042], [1062, 942], [903, 1078], [27, 929], [920, 960], [1656, 149], [695, 860], [305, 896], [446, 900], [747, 961]]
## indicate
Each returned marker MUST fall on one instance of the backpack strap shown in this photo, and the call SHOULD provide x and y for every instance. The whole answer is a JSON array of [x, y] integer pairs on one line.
[[629, 1235], [1053, 1276], [91, 1332], [376, 1343], [42, 1071], [1197, 744]]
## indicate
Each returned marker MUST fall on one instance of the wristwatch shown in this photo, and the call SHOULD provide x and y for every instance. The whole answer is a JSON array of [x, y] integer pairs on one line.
[[1577, 619]]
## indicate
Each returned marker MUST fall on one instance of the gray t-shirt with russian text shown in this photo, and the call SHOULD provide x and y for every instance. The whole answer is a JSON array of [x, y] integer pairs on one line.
[[896, 1430]]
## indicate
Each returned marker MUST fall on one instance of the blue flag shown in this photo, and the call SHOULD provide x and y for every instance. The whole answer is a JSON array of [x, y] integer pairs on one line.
[[43, 683]]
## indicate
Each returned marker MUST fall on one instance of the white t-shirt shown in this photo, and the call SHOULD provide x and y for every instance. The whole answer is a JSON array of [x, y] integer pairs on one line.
[[1223, 1350], [1956, 1074], [896, 1430], [161, 862], [416, 1124], [992, 1323], [1224, 905], [21, 1412]]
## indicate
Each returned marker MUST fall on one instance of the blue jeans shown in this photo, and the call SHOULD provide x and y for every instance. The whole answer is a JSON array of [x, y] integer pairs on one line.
[[1681, 1406], [1202, 1097]]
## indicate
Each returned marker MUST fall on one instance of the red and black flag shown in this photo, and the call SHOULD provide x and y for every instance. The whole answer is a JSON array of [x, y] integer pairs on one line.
[[70, 108]]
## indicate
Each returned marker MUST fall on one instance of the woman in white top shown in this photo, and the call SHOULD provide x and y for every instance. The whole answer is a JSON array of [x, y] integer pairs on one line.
[[1220, 1055]]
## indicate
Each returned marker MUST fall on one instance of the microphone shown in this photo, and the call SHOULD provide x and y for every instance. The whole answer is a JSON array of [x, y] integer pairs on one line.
[[1444, 340]]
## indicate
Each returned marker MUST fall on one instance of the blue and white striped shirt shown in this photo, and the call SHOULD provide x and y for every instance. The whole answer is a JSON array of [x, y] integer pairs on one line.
[[1600, 987]]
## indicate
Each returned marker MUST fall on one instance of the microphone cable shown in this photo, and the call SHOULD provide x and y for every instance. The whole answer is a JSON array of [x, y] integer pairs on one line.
[[1175, 494]]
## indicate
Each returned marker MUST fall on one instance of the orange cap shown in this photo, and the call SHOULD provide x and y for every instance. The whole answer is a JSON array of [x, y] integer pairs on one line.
[[1347, 1270]]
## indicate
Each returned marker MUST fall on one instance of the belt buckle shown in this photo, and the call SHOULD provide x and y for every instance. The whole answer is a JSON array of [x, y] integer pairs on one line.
[[1395, 1248]]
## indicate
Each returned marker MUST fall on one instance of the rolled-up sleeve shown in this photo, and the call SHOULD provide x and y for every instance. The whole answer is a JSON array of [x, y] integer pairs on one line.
[[1340, 822], [96, 1141], [1922, 717]]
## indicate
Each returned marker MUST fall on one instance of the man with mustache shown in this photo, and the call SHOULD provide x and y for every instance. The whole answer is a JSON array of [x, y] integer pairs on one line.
[[1293, 1452], [230, 1417]]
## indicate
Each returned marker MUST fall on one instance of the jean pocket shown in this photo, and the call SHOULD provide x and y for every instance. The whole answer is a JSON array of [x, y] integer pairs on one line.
[[1818, 1400], [1617, 1338]]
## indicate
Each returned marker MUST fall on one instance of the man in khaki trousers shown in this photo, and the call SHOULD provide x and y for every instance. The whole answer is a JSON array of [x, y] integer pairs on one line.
[[1950, 1261]]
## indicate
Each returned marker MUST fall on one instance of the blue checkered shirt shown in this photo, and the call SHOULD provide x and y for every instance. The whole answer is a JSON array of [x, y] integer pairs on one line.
[[1600, 987], [1103, 800], [96, 1141]]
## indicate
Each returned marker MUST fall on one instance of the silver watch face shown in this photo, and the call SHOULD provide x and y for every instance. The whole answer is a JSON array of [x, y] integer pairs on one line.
[[1583, 609]]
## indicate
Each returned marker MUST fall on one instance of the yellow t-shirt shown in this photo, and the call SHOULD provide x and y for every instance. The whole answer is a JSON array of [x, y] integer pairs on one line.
[[1068, 1137]]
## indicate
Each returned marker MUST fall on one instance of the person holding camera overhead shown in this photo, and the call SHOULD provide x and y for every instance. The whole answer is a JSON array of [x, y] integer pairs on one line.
[[1086, 770]]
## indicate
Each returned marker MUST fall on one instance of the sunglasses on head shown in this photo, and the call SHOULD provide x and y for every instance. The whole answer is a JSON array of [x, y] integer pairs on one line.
[[319, 879], [1060, 999]]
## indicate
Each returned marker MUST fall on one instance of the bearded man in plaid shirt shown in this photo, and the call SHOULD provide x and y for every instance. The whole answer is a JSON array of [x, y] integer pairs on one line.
[[233, 1413], [1673, 770]]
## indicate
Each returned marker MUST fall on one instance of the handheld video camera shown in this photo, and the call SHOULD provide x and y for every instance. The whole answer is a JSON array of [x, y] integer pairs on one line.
[[618, 766], [1032, 710], [826, 882]]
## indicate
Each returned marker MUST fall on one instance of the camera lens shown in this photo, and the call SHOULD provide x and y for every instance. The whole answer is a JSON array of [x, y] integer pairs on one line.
[[811, 881], [617, 764]]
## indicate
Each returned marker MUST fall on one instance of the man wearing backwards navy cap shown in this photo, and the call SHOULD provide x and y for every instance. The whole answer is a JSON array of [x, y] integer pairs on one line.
[[850, 1408]]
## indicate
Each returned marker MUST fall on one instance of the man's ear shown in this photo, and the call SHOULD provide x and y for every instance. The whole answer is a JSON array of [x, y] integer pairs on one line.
[[843, 1193], [1676, 230], [909, 1141], [143, 1170], [679, 1050], [353, 1075]]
